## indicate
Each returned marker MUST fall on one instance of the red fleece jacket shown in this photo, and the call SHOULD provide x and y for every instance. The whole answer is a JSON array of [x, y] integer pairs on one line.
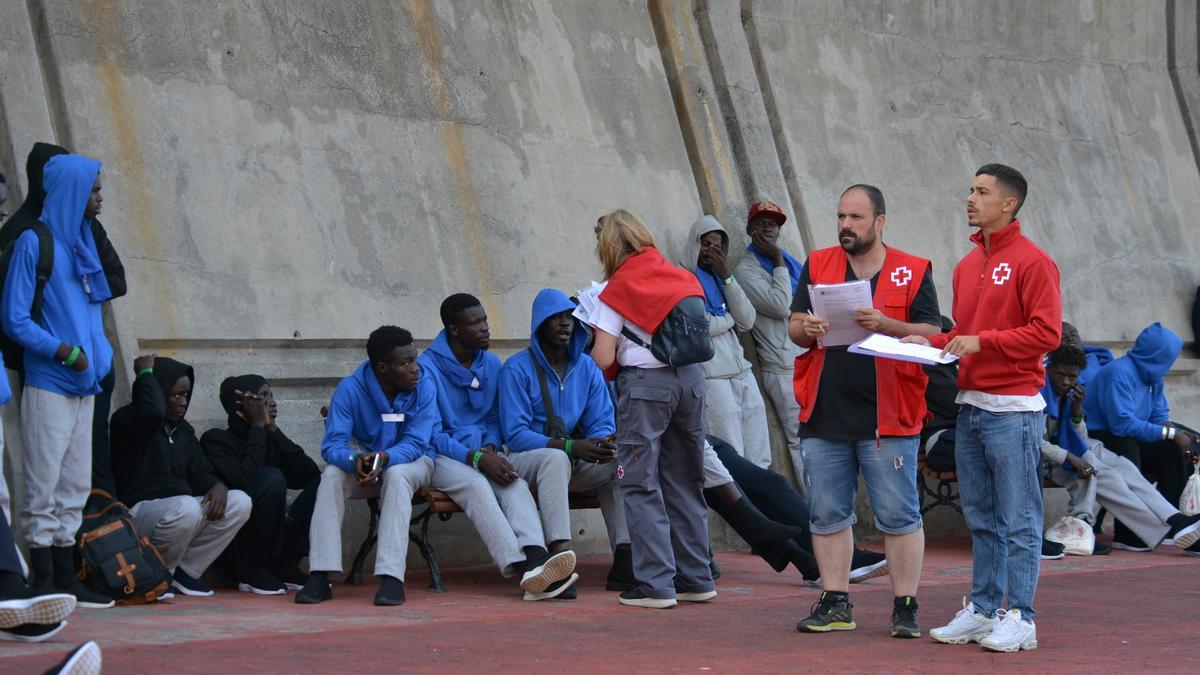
[[1008, 295], [646, 287]]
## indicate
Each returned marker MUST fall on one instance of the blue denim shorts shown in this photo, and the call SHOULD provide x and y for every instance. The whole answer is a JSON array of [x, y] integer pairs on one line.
[[890, 471]]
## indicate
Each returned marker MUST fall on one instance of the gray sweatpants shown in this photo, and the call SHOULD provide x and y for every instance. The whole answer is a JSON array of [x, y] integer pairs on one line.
[[396, 488], [782, 398], [553, 476], [56, 432], [504, 515], [660, 448], [737, 415], [1119, 487], [177, 528]]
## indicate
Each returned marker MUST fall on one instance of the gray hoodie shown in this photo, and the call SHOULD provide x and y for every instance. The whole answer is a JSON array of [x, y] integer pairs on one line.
[[728, 361], [771, 295]]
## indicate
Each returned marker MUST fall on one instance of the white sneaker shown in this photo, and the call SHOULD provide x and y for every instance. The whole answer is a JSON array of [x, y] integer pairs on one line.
[[967, 626], [552, 591], [553, 568], [1012, 633]]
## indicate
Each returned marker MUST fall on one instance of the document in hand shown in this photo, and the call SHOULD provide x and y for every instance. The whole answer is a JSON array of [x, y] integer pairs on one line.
[[588, 299], [887, 347], [835, 303]]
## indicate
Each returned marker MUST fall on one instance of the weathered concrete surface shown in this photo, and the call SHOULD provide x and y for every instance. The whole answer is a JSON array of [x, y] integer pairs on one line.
[[281, 177]]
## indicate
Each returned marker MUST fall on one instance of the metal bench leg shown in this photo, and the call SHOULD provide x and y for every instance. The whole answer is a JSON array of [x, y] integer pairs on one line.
[[422, 541], [945, 495], [355, 577]]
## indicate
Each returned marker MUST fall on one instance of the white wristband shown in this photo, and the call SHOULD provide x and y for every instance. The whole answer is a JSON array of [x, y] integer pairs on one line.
[[1171, 433]]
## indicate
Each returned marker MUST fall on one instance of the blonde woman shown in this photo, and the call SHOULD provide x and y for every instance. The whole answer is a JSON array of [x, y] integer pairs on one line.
[[660, 417]]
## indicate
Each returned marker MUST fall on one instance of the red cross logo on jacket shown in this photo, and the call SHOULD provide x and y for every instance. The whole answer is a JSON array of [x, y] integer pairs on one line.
[[1001, 274], [901, 276]]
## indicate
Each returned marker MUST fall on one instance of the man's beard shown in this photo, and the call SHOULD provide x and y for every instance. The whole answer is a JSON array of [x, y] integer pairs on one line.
[[859, 245]]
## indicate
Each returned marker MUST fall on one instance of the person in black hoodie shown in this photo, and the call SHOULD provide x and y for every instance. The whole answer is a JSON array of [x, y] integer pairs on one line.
[[114, 273], [253, 454], [162, 474]]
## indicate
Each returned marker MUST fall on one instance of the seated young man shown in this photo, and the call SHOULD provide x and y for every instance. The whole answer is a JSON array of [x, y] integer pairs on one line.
[[1098, 475], [253, 454], [469, 466], [166, 479], [558, 421], [1127, 411], [376, 442], [763, 508]]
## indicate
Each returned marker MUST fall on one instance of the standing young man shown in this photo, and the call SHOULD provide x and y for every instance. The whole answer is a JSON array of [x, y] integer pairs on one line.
[[66, 356], [860, 412], [1009, 316]]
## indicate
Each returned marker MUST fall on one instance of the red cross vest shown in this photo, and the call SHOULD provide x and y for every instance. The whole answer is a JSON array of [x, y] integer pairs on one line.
[[899, 385]]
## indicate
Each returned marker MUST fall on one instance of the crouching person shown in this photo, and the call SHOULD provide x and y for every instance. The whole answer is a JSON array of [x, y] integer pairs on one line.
[[558, 421], [165, 478], [377, 442]]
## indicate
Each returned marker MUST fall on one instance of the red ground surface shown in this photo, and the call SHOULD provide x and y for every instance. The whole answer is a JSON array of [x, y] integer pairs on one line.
[[1131, 612]]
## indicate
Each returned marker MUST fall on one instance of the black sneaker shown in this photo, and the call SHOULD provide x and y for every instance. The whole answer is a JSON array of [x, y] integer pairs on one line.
[[293, 579], [546, 569], [563, 589], [31, 632], [637, 598], [315, 590], [714, 568], [390, 593], [1101, 548], [260, 581], [1052, 550], [867, 565], [904, 618], [620, 575], [83, 660], [1185, 531], [831, 612], [27, 605], [189, 585]]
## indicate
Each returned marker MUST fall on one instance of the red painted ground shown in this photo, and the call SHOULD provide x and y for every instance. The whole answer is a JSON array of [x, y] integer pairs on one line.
[[1130, 612]]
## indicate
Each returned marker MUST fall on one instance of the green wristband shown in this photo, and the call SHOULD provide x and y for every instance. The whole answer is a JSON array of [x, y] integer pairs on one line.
[[475, 459], [1077, 420], [567, 446], [728, 280], [143, 371], [75, 352]]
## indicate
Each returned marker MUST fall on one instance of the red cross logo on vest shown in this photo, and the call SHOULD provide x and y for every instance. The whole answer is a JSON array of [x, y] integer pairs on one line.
[[1001, 274], [901, 275]]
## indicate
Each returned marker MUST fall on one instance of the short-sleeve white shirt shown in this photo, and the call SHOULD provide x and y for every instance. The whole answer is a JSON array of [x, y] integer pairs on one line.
[[629, 353]]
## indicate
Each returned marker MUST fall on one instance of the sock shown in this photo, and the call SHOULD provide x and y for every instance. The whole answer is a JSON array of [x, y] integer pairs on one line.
[[11, 582], [1177, 522], [836, 596], [905, 601]]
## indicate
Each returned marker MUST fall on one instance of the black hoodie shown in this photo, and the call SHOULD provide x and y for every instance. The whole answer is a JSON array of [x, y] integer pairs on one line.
[[31, 210], [150, 459], [239, 452]]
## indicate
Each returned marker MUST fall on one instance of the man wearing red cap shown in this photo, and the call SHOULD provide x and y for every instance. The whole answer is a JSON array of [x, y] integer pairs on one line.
[[769, 275]]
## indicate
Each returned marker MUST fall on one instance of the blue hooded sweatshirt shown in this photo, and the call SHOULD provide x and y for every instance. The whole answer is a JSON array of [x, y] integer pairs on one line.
[[580, 398], [1125, 398], [1097, 358], [357, 410], [73, 294], [466, 398]]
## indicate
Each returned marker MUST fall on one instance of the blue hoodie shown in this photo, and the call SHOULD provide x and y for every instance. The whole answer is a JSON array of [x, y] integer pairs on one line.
[[356, 412], [580, 398], [70, 308], [1097, 358], [470, 415], [1125, 397]]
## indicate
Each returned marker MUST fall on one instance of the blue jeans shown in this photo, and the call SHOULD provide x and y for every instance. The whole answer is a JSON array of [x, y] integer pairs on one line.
[[889, 469], [998, 458]]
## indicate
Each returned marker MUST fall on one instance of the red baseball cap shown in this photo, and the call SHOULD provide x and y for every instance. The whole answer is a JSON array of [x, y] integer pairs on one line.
[[766, 209]]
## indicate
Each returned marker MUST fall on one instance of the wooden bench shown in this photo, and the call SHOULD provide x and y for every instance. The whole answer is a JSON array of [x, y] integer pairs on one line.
[[436, 503]]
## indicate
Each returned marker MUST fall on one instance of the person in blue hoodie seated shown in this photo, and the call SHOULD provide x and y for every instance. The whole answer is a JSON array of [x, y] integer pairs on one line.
[[469, 466], [1093, 474], [1095, 357], [558, 422], [66, 355], [377, 442], [1126, 409]]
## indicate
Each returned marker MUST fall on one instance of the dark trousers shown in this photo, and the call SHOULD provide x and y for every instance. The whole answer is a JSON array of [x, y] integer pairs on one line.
[[275, 534], [770, 492], [1160, 459], [8, 547], [102, 475]]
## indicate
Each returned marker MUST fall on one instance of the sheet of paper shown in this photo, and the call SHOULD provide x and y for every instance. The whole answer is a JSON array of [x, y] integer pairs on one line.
[[890, 348], [835, 303], [588, 299]]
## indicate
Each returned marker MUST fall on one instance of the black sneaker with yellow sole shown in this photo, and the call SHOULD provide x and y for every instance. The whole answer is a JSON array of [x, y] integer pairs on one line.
[[831, 612], [904, 618]]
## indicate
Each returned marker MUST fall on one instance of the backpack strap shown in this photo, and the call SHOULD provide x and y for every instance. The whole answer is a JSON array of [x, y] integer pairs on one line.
[[632, 337], [555, 427], [45, 265]]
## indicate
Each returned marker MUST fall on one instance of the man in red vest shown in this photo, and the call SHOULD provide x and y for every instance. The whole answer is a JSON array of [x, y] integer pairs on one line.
[[860, 412], [1009, 315]]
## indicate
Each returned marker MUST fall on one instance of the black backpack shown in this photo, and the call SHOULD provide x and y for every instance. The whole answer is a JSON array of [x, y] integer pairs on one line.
[[116, 561], [682, 338], [14, 353]]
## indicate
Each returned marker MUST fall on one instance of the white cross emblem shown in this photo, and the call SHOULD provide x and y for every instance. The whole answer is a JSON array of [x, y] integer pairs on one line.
[[1001, 273], [901, 276]]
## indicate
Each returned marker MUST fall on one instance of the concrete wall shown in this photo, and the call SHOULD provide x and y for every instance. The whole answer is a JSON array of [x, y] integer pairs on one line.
[[281, 177]]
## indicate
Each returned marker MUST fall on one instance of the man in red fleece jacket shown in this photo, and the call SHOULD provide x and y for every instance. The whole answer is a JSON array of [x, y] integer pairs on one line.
[[1009, 315]]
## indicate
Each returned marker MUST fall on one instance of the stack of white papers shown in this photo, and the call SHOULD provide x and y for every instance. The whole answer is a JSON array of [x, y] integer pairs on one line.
[[835, 303], [887, 347], [588, 298]]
